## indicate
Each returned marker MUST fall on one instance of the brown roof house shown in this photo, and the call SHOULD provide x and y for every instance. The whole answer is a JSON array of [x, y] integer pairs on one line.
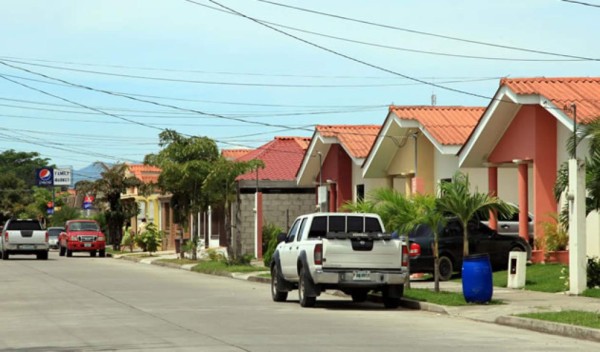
[[332, 164], [270, 195]]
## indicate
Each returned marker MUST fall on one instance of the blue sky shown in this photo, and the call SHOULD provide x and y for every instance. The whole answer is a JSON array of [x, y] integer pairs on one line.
[[260, 82]]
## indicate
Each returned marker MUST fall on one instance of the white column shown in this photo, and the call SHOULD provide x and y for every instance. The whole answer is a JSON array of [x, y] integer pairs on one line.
[[255, 227], [209, 221], [577, 220]]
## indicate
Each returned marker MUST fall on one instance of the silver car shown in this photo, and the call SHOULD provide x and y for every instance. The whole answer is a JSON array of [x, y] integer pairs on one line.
[[53, 233], [510, 225]]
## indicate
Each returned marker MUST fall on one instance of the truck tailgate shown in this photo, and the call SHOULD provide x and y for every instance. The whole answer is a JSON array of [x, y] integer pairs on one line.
[[383, 254], [26, 236]]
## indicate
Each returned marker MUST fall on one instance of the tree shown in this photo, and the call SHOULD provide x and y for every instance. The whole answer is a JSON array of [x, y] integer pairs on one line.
[[22, 164], [457, 199], [219, 188], [185, 163], [108, 190], [15, 194], [17, 176], [428, 214]]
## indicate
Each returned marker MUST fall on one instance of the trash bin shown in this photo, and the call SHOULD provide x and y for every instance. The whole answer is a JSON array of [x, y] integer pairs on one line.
[[477, 278], [516, 269]]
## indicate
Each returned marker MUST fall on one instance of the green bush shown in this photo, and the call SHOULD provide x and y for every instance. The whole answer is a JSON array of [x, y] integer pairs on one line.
[[65, 213], [150, 239], [593, 272], [270, 232], [128, 240]]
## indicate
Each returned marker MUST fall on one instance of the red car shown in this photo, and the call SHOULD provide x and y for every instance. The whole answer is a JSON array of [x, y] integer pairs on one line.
[[82, 236]]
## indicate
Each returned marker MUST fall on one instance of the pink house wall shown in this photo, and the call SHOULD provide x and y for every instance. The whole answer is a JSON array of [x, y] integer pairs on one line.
[[337, 167], [532, 136]]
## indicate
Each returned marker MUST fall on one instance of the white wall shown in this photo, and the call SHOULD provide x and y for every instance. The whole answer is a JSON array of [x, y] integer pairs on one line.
[[593, 234], [370, 183], [445, 165]]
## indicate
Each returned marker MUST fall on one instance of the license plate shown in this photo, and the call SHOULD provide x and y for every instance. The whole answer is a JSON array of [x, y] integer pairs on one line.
[[27, 246], [87, 244], [362, 275]]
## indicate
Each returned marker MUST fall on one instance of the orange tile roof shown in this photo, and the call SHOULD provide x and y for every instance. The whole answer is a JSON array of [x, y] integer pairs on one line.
[[356, 139], [562, 92], [233, 154], [282, 157], [449, 125], [145, 173]]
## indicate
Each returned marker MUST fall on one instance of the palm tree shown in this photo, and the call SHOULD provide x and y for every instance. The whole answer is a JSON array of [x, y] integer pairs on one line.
[[360, 206], [108, 188], [429, 215], [457, 199], [589, 131]]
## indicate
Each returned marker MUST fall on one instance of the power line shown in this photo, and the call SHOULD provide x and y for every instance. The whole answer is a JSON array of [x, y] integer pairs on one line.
[[380, 68], [244, 84], [408, 30], [582, 3], [427, 52]]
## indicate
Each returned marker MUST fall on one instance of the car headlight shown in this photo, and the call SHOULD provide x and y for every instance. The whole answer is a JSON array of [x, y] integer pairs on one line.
[[73, 238], [100, 238]]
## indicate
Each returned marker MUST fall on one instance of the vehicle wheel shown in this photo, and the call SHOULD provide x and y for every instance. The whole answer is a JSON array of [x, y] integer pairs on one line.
[[102, 253], [445, 268], [69, 253], [5, 255], [391, 302], [359, 295], [61, 251], [517, 249], [278, 296], [42, 256], [304, 300], [92, 253]]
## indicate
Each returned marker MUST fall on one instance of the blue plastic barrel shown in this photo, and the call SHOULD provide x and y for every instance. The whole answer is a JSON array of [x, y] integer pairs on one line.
[[477, 278]]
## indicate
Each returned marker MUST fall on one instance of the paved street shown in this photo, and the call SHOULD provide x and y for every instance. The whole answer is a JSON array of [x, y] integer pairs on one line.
[[103, 304]]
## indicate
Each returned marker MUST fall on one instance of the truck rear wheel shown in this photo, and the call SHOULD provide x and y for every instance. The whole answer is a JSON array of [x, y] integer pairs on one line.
[[278, 296], [305, 301], [92, 253], [42, 256], [445, 268], [5, 255]]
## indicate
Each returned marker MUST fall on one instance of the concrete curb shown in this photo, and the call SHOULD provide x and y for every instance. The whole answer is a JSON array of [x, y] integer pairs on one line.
[[578, 332]]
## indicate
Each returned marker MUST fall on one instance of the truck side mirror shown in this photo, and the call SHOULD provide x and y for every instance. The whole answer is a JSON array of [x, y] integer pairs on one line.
[[281, 237]]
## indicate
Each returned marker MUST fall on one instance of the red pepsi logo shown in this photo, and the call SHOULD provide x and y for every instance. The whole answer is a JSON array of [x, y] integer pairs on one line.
[[45, 175]]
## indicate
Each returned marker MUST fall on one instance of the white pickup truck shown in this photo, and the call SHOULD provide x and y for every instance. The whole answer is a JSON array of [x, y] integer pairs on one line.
[[344, 251], [20, 236]]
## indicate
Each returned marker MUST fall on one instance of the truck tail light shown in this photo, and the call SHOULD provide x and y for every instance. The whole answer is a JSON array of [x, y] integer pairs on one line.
[[6, 236], [404, 256], [415, 250], [318, 254], [47, 236]]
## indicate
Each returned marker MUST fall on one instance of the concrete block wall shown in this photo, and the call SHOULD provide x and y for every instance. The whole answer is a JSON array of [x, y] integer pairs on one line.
[[280, 209]]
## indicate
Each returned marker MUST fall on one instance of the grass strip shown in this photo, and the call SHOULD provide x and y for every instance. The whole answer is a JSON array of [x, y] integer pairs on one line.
[[539, 277], [444, 298], [178, 261], [215, 267], [592, 292], [571, 317]]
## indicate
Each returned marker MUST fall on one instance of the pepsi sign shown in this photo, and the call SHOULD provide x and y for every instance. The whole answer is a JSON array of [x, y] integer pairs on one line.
[[44, 176]]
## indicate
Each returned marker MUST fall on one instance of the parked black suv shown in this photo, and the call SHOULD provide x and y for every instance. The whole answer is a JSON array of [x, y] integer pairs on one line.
[[482, 239]]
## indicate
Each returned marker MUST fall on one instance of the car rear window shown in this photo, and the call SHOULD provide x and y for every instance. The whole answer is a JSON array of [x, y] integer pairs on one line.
[[321, 225], [83, 226], [24, 225], [54, 232]]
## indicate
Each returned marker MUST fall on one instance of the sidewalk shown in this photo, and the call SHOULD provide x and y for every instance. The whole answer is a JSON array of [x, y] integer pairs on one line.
[[515, 301]]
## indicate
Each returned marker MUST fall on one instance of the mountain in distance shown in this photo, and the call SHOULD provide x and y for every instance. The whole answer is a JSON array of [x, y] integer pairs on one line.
[[88, 173]]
